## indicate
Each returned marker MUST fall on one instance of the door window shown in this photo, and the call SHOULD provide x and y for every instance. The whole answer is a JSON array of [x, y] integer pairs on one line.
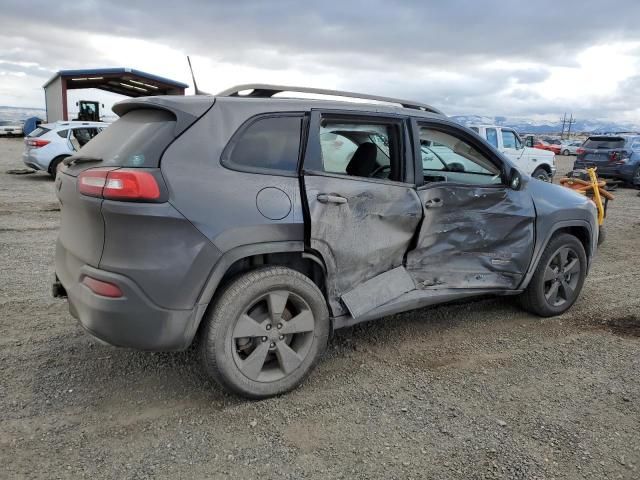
[[492, 137], [81, 136], [361, 149], [446, 158], [509, 139]]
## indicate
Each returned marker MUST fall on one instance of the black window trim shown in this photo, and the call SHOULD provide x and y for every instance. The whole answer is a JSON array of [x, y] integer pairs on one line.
[[475, 141], [225, 157], [312, 163]]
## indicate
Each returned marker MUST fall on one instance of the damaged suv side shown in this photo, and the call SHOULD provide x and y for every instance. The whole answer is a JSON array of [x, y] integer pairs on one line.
[[258, 224]]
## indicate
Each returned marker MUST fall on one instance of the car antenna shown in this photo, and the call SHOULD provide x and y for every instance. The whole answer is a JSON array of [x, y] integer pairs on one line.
[[195, 85]]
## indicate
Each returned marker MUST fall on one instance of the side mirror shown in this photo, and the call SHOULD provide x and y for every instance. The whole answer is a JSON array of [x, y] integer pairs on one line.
[[528, 142], [516, 180]]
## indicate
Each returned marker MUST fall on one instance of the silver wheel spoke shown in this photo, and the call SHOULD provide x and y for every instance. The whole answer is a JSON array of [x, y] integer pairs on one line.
[[247, 327], [277, 301], [303, 322], [552, 294], [252, 365], [567, 289], [549, 274], [564, 252], [287, 357], [572, 267]]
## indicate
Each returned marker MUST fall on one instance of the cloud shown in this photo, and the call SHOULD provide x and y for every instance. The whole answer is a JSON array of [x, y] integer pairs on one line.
[[444, 53]]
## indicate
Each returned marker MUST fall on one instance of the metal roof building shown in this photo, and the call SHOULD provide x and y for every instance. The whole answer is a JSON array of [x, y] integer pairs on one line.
[[125, 81]]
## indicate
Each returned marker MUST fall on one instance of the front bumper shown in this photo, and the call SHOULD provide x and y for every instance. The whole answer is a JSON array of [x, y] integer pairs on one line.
[[133, 320]]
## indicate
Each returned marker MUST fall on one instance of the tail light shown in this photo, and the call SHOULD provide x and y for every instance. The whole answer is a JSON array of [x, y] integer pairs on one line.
[[579, 151], [119, 184], [619, 158], [99, 287], [36, 142]]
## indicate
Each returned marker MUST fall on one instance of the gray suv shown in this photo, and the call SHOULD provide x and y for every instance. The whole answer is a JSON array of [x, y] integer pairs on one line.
[[257, 225]]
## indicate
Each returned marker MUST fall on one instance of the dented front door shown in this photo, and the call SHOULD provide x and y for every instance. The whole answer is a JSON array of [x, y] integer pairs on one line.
[[472, 236]]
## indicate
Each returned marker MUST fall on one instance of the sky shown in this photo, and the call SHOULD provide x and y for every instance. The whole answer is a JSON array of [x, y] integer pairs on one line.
[[527, 59]]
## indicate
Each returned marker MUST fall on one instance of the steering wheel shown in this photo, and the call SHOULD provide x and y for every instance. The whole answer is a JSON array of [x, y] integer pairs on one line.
[[376, 173]]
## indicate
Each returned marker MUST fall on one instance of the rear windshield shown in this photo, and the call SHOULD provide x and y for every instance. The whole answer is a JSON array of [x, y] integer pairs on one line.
[[137, 139], [38, 132], [604, 142]]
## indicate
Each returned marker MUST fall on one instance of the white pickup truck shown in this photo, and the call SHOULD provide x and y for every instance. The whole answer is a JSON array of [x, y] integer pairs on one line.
[[540, 164]]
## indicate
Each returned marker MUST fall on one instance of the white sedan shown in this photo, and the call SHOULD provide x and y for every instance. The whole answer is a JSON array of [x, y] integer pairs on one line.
[[10, 129]]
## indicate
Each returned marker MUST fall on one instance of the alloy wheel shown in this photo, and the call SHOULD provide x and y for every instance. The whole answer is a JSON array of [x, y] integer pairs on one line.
[[273, 336], [561, 277]]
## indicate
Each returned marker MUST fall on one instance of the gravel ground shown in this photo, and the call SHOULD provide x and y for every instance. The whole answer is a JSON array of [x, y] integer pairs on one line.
[[464, 391]]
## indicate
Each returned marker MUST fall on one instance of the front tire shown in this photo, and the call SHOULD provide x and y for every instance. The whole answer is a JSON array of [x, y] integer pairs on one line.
[[558, 279], [541, 174], [265, 333]]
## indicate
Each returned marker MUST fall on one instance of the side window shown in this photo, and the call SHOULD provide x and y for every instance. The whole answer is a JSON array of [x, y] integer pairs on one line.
[[63, 133], [361, 149], [271, 143], [454, 160], [509, 139], [636, 144], [492, 137]]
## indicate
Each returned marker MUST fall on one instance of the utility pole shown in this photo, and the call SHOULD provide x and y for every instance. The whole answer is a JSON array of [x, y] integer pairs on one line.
[[564, 121], [571, 122]]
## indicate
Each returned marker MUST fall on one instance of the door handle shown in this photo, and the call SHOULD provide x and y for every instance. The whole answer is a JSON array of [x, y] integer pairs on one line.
[[328, 198], [433, 203]]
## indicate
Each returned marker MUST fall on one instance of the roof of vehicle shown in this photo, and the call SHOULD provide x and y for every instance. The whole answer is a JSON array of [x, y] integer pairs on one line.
[[72, 124]]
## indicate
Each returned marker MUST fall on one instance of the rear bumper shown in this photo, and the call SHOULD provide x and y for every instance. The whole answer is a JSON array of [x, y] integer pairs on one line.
[[31, 160], [622, 172], [133, 320]]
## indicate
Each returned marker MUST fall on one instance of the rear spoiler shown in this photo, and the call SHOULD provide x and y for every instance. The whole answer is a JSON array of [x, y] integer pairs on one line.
[[186, 110]]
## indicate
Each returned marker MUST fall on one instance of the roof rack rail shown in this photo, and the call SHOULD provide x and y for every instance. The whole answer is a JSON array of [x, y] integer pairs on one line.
[[259, 90]]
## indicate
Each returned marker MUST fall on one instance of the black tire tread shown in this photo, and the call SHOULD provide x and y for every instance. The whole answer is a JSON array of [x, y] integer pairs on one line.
[[529, 299], [230, 294]]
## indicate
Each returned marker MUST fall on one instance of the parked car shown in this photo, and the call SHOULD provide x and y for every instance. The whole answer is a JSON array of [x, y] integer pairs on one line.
[[543, 145], [615, 156], [570, 148], [259, 224], [10, 129], [540, 165], [49, 144]]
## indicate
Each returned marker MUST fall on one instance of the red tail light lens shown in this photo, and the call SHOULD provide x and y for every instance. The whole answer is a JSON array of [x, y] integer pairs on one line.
[[580, 151], [102, 288], [119, 184], [36, 142]]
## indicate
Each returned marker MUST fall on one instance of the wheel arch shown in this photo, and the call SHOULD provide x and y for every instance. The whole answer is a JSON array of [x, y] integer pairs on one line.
[[291, 254], [580, 229], [55, 159]]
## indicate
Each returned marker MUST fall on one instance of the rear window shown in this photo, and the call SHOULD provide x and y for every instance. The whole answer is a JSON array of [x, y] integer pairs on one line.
[[604, 142], [269, 143], [38, 132], [137, 139]]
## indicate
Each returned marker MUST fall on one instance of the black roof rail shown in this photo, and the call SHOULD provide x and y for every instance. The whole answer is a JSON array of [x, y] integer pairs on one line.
[[259, 90]]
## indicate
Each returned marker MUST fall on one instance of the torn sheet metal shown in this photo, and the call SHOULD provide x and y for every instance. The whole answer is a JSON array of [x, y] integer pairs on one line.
[[377, 291], [367, 235], [476, 237]]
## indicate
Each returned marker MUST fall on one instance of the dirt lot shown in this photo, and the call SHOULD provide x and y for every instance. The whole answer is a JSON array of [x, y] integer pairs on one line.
[[474, 390]]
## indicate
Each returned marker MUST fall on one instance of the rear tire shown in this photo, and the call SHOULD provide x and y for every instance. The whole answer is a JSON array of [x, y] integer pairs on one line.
[[265, 333], [541, 174], [558, 279], [55, 165], [566, 153]]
